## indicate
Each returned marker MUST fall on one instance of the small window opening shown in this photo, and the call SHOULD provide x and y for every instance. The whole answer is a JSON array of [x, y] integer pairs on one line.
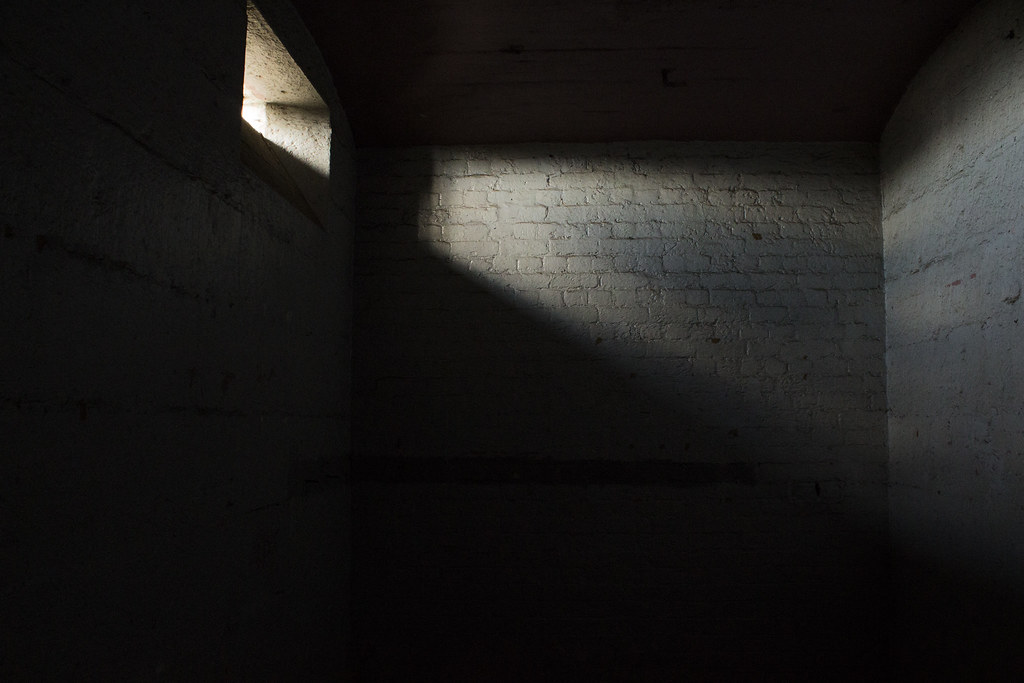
[[286, 125]]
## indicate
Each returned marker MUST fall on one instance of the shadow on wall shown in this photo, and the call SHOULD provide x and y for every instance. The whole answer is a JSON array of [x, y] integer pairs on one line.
[[681, 317], [951, 621], [527, 507]]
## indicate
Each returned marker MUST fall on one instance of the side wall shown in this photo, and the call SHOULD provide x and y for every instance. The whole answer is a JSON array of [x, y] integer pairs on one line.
[[620, 409], [952, 164], [174, 349]]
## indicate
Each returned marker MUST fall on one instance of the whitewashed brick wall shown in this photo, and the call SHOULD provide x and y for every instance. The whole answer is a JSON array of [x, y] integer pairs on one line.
[[697, 329], [740, 272]]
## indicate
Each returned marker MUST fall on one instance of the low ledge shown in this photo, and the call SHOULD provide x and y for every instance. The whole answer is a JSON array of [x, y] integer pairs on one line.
[[526, 470]]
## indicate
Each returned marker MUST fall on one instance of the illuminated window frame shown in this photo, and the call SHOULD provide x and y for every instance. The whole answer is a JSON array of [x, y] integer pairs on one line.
[[286, 124]]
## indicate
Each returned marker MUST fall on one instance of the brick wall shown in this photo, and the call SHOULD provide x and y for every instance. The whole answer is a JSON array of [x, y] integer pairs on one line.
[[952, 172], [174, 391], [619, 406]]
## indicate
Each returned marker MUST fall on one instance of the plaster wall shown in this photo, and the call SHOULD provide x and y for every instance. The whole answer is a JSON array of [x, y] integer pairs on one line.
[[619, 410], [952, 169], [175, 351]]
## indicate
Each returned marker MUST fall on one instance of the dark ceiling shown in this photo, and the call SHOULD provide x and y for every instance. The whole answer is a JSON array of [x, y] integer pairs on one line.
[[475, 71]]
